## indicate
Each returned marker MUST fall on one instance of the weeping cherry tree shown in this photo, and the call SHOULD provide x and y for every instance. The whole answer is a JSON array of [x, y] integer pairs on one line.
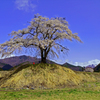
[[42, 34]]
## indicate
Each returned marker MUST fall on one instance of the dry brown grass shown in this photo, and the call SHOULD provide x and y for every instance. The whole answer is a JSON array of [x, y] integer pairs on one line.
[[44, 76]]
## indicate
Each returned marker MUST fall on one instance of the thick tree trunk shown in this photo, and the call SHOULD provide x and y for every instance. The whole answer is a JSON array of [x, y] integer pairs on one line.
[[43, 60], [43, 56]]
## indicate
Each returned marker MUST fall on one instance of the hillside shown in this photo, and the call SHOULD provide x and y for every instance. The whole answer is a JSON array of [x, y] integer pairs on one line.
[[43, 76]]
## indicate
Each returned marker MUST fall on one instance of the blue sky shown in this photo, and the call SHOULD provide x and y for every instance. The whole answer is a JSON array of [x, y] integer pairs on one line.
[[83, 17]]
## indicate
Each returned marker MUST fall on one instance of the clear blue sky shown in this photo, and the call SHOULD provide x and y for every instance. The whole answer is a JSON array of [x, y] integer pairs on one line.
[[83, 17]]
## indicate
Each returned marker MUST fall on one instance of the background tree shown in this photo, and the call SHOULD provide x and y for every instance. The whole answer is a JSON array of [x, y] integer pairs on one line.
[[41, 35]]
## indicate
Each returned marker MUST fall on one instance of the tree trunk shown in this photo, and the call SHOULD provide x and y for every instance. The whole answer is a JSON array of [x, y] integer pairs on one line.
[[43, 60], [43, 56]]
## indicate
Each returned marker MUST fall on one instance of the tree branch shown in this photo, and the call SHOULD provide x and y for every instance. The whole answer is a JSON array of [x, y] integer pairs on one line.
[[62, 46]]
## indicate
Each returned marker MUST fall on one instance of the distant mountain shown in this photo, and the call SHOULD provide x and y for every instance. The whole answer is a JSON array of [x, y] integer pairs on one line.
[[14, 61], [92, 66], [17, 60], [97, 68], [27, 62], [76, 68], [7, 67], [2, 64]]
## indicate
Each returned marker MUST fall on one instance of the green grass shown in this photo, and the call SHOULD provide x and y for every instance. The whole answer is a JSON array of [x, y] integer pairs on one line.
[[83, 92]]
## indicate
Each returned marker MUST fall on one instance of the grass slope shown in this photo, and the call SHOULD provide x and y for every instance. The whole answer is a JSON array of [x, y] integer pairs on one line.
[[79, 85], [40, 75]]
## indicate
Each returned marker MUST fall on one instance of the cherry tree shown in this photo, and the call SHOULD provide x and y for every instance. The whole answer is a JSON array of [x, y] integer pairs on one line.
[[42, 35]]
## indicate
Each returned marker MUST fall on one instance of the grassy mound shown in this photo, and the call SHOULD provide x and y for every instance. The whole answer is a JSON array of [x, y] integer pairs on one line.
[[87, 76], [43, 76], [40, 76]]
